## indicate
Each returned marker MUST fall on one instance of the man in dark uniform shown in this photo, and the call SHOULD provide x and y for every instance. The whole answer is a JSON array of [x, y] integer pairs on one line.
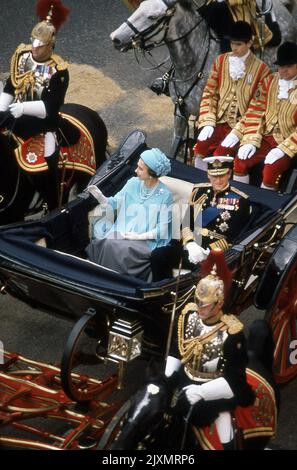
[[216, 214], [34, 93], [206, 380]]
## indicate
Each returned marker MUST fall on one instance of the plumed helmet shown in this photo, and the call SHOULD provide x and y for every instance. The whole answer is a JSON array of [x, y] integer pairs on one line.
[[52, 15], [216, 280]]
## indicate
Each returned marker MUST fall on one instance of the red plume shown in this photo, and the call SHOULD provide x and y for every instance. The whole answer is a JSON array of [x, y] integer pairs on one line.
[[216, 257], [60, 13]]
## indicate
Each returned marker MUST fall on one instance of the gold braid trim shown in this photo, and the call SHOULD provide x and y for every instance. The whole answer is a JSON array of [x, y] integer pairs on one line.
[[219, 244], [187, 235], [233, 324], [193, 347], [22, 82]]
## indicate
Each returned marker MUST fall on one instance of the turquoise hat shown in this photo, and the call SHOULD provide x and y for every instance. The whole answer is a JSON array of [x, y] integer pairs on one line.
[[157, 161]]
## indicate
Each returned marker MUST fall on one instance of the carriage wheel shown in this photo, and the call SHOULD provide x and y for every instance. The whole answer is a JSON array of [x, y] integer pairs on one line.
[[81, 360], [114, 427], [282, 318]]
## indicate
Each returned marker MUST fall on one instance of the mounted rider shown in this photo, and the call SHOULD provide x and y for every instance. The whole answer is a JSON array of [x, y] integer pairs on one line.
[[225, 404], [35, 91], [221, 14], [233, 80]]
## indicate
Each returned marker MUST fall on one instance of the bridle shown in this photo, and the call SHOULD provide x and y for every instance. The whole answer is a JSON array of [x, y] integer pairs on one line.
[[141, 38]]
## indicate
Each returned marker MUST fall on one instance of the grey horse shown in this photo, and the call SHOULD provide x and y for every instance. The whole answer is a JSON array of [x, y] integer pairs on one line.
[[192, 47]]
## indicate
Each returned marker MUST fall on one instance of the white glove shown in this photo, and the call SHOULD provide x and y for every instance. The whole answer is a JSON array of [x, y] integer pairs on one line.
[[196, 252], [206, 133], [230, 140], [5, 101], [246, 151], [30, 108], [273, 156], [97, 194], [213, 390], [16, 109], [135, 236], [172, 365], [192, 393]]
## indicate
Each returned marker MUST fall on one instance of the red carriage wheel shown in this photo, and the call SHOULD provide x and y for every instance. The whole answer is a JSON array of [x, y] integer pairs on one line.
[[282, 318]]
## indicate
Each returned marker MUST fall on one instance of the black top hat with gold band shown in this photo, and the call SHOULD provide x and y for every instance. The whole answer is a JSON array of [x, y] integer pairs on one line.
[[217, 166]]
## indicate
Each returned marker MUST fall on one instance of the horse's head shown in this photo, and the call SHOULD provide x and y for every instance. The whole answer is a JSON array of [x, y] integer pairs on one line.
[[150, 19]]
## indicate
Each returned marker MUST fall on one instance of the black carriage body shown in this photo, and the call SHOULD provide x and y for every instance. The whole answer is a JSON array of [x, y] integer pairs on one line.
[[55, 277]]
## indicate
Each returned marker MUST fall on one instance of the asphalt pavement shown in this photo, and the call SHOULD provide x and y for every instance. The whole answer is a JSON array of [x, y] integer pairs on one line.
[[124, 101]]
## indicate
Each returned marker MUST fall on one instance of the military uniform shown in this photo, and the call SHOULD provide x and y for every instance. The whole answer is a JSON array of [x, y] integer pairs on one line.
[[207, 350], [269, 122], [224, 101], [30, 81], [222, 214]]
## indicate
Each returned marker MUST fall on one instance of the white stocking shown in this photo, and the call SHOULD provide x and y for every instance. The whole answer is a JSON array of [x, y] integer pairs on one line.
[[49, 144], [266, 187], [224, 427], [242, 179], [199, 163]]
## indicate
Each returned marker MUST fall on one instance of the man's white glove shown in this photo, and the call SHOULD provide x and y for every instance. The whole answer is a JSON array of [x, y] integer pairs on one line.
[[97, 194], [246, 151], [30, 108], [273, 156], [230, 140], [172, 365], [213, 390], [196, 252], [16, 109], [192, 393], [206, 133], [5, 100]]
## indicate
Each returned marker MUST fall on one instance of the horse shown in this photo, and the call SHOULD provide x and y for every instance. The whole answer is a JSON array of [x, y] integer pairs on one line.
[[192, 47], [152, 420], [84, 139]]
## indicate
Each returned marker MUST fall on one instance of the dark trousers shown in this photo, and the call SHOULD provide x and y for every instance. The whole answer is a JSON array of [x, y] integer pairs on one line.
[[164, 259]]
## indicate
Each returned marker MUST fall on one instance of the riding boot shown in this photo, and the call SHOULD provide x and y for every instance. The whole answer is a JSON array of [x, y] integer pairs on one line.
[[229, 445], [47, 182]]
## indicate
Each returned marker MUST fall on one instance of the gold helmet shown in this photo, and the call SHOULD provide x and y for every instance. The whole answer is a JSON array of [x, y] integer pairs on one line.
[[55, 14], [213, 287]]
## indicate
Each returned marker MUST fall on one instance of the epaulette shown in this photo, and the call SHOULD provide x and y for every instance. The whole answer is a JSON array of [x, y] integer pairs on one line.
[[233, 324], [191, 306], [195, 190], [61, 64], [241, 193]]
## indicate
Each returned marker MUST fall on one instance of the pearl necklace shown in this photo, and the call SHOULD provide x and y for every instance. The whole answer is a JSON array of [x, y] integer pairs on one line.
[[146, 194]]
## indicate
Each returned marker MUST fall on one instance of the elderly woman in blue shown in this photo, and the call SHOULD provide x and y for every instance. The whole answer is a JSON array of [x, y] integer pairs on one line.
[[143, 223]]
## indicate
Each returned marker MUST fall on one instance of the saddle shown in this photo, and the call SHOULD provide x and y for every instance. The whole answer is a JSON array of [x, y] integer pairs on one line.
[[76, 148]]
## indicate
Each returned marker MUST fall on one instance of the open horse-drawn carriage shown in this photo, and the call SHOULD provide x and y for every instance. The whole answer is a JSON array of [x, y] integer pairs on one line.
[[43, 263]]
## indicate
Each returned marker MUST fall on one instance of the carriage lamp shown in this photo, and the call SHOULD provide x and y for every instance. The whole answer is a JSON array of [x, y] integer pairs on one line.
[[124, 342]]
